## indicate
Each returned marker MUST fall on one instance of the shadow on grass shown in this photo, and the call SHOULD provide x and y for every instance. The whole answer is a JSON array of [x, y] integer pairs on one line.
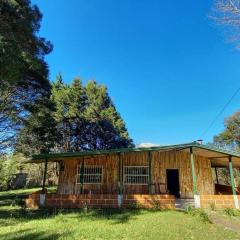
[[114, 215], [17, 197], [12, 212], [11, 217], [27, 234], [12, 199]]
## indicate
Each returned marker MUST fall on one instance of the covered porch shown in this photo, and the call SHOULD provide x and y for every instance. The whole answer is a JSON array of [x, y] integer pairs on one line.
[[141, 176]]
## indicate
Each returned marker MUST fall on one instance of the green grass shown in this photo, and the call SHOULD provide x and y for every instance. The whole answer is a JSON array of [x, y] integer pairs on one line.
[[18, 223]]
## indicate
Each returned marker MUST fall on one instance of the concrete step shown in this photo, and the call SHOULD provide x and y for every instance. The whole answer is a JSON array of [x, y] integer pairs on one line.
[[184, 203]]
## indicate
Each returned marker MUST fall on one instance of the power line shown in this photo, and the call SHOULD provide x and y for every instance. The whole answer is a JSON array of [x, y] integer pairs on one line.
[[220, 113]]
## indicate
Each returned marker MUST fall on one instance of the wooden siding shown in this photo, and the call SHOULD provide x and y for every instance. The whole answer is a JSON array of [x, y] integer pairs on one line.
[[181, 161], [67, 178], [160, 162]]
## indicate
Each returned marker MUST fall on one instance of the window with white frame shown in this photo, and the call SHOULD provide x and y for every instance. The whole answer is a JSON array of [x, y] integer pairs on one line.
[[136, 175], [89, 174]]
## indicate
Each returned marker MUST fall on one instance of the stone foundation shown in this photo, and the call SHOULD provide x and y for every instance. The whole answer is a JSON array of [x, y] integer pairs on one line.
[[101, 201], [217, 201]]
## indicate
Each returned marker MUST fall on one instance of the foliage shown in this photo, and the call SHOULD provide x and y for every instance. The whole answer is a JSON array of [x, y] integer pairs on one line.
[[212, 206], [39, 132], [231, 212], [229, 138], [8, 167], [24, 72], [77, 118], [199, 213], [226, 13], [11, 165]]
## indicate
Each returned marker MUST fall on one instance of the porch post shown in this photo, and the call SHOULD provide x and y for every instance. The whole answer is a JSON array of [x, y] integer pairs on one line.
[[149, 172], [235, 197], [216, 175], [44, 175], [81, 176], [42, 195], [194, 178], [120, 180]]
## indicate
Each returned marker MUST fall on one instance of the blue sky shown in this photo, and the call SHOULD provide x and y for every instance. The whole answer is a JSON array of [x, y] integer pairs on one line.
[[167, 67]]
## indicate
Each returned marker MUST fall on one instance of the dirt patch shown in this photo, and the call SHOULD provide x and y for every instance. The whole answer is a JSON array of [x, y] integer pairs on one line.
[[224, 221]]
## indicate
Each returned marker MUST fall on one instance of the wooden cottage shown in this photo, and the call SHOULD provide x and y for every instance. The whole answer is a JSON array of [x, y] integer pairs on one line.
[[147, 177]]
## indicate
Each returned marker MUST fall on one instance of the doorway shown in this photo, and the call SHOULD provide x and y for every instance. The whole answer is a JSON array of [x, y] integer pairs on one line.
[[173, 182]]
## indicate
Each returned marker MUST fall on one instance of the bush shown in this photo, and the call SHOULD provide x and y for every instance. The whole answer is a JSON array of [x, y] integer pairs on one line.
[[231, 212], [8, 167], [198, 212], [212, 206]]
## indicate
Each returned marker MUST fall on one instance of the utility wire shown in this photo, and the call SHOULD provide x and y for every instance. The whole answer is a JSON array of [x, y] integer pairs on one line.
[[220, 113]]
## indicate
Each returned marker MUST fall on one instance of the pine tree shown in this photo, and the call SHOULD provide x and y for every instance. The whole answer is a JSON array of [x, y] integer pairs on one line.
[[39, 133], [77, 118], [70, 102], [106, 128], [24, 72]]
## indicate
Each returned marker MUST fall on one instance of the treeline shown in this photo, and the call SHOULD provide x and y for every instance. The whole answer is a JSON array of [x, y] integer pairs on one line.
[[229, 138], [37, 116], [74, 118]]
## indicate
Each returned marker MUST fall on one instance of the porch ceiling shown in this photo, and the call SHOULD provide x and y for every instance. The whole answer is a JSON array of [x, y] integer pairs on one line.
[[218, 159]]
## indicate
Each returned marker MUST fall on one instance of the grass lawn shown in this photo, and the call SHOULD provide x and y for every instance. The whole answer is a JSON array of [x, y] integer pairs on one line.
[[18, 223]]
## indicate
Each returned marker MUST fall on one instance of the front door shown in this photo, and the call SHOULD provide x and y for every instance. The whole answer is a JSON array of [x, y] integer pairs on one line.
[[173, 182]]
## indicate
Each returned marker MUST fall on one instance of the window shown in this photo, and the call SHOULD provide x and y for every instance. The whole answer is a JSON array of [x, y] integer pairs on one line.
[[89, 175], [136, 175]]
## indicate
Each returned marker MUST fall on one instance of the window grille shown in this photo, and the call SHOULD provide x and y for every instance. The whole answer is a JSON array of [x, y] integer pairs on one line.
[[136, 175], [89, 174]]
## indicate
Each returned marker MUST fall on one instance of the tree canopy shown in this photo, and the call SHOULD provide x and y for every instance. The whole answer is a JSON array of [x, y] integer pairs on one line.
[[24, 72], [230, 136], [226, 13], [77, 118]]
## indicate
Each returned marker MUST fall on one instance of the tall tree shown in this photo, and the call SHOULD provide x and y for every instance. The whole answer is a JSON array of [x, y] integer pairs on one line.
[[24, 72], [106, 128], [77, 118], [230, 136], [227, 14], [70, 103], [39, 133]]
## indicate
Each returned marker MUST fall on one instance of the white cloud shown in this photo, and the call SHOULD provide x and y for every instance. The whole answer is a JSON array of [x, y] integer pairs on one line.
[[147, 144]]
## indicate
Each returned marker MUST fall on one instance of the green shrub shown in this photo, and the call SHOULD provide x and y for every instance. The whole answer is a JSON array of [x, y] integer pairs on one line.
[[231, 212], [198, 212], [135, 205], [212, 206]]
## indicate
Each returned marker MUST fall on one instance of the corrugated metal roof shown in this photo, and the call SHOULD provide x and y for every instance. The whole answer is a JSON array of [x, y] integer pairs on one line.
[[52, 156]]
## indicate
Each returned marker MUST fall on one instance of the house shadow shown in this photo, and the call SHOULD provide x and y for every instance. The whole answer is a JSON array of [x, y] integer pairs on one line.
[[27, 234], [115, 216]]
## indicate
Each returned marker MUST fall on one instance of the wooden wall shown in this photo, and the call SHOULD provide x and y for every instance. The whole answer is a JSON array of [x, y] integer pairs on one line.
[[160, 162], [67, 178], [181, 161]]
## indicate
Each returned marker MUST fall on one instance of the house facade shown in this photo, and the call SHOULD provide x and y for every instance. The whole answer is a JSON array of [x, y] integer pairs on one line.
[[147, 177]]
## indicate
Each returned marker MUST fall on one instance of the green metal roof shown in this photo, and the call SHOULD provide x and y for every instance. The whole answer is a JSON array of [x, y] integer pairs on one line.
[[52, 156]]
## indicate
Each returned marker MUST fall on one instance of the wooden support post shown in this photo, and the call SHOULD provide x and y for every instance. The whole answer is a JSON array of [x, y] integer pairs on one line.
[[235, 197], [193, 172], [150, 173], [120, 174], [82, 177], [216, 175], [44, 175], [194, 177], [120, 180]]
